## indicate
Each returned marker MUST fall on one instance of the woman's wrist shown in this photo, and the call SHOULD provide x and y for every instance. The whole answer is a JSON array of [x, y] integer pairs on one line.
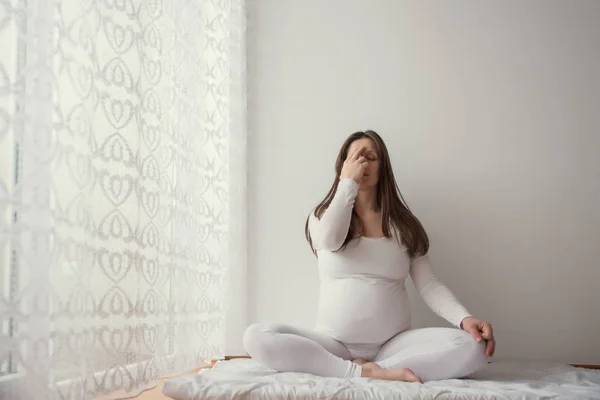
[[463, 320], [348, 181]]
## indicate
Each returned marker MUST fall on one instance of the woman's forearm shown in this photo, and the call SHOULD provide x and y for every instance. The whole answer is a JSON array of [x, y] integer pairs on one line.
[[331, 230]]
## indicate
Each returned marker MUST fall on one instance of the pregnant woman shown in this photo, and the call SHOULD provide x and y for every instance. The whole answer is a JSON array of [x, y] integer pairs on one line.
[[368, 242]]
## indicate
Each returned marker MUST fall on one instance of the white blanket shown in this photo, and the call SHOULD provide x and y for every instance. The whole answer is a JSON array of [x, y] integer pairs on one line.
[[247, 379]]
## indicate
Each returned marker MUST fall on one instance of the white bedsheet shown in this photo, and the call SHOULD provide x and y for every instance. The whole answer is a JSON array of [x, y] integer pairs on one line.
[[247, 379]]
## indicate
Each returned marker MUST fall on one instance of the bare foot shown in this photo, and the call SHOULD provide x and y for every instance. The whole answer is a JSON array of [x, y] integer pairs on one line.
[[359, 361], [372, 370]]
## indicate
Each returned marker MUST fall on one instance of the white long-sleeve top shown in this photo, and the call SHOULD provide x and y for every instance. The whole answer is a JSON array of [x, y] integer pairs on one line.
[[363, 295]]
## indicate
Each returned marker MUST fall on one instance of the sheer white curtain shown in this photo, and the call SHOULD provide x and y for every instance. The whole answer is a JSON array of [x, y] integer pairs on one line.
[[122, 192]]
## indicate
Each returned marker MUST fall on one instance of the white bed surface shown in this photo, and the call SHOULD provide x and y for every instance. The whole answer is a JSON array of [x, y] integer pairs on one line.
[[247, 379]]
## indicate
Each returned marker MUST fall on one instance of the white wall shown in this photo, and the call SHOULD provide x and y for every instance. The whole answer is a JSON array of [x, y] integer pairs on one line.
[[490, 110]]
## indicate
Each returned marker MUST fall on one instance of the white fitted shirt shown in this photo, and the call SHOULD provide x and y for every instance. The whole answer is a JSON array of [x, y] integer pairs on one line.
[[363, 296]]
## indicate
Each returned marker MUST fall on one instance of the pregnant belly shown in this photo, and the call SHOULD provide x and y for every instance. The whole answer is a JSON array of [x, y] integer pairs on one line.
[[363, 312]]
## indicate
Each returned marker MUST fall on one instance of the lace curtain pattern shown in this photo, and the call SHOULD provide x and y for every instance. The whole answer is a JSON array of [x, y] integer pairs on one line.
[[122, 185]]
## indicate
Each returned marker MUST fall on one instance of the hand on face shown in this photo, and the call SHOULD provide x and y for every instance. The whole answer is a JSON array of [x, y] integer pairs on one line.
[[362, 163], [355, 165]]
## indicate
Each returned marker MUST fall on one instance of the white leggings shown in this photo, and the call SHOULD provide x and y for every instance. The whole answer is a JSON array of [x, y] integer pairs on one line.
[[431, 353]]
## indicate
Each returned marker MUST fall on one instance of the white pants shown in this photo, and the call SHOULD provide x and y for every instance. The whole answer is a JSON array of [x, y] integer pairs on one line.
[[431, 353]]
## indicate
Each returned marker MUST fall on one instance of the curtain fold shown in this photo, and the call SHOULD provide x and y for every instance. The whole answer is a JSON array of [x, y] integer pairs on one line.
[[122, 192]]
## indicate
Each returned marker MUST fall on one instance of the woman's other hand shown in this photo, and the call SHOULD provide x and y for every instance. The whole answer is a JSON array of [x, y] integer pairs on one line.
[[480, 330]]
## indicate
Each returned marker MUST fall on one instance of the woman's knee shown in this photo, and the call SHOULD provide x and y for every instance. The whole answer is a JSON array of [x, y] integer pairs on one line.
[[253, 337], [258, 339], [473, 354]]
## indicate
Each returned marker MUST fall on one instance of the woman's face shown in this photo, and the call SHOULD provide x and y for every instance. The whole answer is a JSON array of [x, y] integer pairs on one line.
[[371, 175]]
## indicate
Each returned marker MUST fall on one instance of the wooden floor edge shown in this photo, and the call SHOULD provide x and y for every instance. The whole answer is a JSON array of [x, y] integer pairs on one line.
[[234, 357], [588, 366]]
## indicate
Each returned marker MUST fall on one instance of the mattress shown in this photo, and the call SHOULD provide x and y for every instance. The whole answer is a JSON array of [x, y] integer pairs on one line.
[[247, 379]]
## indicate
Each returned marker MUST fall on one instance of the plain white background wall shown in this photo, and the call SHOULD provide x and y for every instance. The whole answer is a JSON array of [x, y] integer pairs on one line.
[[491, 113]]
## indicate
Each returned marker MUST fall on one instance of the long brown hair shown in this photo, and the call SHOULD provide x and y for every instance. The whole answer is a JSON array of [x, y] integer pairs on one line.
[[395, 212]]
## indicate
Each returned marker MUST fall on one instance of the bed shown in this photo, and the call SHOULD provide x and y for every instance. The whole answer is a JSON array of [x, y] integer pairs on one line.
[[247, 379]]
